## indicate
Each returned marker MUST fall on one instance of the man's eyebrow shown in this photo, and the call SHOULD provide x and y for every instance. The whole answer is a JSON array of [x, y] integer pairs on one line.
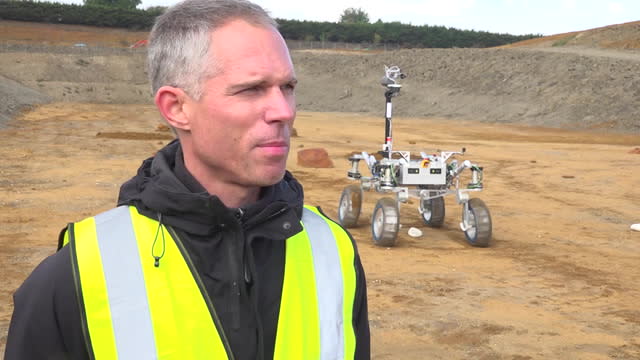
[[246, 85], [256, 83]]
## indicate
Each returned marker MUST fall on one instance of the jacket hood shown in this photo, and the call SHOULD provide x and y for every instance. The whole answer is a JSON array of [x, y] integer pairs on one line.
[[163, 187]]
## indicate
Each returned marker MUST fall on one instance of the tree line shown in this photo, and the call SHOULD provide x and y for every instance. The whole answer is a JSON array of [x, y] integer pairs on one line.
[[396, 33], [92, 15], [123, 14]]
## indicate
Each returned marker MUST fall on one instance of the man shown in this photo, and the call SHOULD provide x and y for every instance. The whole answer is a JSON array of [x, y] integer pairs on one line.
[[211, 253]]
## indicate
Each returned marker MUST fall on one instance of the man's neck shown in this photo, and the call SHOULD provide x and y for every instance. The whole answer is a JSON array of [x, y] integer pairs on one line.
[[231, 194]]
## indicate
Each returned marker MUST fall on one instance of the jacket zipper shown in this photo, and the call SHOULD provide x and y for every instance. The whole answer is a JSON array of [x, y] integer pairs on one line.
[[236, 269], [207, 299], [252, 288], [247, 275], [235, 285], [250, 224]]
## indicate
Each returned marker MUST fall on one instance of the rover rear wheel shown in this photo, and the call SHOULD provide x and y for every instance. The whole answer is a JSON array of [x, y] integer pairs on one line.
[[432, 211]]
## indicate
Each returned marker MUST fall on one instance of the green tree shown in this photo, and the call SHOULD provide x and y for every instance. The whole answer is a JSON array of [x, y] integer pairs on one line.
[[122, 4], [354, 16], [156, 10]]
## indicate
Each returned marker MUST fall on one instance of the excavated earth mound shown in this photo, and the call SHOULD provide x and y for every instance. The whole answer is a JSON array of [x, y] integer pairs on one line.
[[15, 97], [571, 87], [533, 87]]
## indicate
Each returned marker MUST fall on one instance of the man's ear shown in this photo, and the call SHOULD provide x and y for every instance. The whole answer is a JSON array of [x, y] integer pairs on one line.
[[171, 103]]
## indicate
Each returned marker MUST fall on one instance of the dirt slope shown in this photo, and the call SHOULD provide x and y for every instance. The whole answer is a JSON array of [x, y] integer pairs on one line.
[[16, 97], [565, 87], [19, 32], [619, 36], [524, 86]]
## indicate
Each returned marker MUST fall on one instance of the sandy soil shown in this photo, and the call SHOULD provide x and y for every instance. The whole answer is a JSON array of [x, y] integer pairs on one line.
[[560, 280]]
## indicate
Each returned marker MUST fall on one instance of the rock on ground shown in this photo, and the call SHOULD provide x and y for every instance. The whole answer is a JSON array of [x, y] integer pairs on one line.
[[314, 158]]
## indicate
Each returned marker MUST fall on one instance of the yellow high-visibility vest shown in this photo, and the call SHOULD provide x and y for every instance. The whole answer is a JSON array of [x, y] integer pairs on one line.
[[135, 310]]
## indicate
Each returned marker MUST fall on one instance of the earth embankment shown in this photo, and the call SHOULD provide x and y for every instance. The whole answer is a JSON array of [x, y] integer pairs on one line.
[[525, 86], [571, 90]]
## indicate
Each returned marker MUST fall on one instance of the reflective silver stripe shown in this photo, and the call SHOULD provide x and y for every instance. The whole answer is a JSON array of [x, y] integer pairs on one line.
[[125, 285], [328, 273]]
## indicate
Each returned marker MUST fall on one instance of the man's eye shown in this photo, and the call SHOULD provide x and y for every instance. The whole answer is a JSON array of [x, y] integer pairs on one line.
[[251, 89], [289, 87]]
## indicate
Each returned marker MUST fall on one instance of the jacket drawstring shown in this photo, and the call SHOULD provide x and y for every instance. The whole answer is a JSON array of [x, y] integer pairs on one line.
[[153, 246]]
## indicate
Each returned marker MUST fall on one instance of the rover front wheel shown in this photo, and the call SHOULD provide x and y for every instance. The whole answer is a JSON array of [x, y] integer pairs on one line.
[[385, 222], [476, 223], [350, 205]]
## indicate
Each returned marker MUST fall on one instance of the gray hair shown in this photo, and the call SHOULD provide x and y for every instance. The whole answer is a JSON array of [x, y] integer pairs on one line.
[[179, 42]]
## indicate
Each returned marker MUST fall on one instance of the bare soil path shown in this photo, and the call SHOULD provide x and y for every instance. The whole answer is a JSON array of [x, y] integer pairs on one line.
[[560, 280]]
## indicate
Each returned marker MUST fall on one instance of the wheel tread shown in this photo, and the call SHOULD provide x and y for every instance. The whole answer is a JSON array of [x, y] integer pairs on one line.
[[391, 222], [348, 215], [483, 223]]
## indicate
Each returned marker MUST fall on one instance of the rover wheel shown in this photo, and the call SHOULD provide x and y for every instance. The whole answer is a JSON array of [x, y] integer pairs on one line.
[[350, 205], [432, 211], [385, 222], [478, 224]]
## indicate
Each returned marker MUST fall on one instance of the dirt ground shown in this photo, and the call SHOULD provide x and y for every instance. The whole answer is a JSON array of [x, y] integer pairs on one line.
[[559, 281]]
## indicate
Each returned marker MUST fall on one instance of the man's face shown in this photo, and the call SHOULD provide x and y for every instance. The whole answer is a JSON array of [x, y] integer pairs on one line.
[[240, 127]]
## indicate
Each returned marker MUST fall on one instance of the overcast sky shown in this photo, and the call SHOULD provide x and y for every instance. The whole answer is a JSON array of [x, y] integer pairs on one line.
[[517, 17]]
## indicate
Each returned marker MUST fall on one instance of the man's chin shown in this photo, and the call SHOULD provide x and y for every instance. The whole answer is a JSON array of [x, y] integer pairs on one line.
[[268, 178]]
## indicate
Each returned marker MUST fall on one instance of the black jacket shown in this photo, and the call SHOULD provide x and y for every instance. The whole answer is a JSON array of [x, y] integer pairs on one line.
[[239, 254]]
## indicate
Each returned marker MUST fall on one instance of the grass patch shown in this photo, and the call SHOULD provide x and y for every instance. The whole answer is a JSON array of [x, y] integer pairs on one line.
[[563, 41]]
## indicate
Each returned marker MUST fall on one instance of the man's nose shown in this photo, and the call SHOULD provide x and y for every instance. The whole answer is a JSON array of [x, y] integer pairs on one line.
[[281, 105]]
